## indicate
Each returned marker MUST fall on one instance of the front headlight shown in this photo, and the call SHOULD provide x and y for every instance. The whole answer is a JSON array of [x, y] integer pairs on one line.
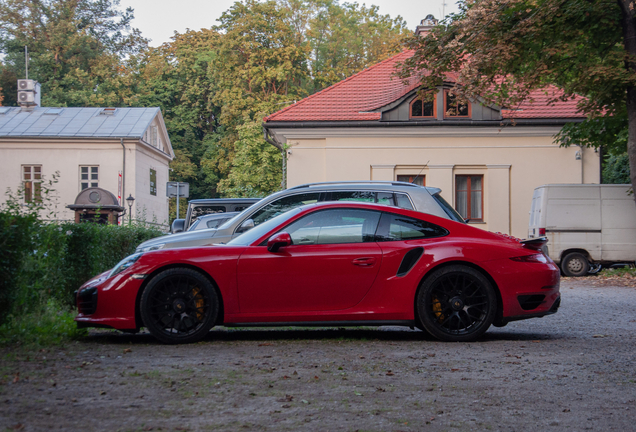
[[150, 248], [124, 264]]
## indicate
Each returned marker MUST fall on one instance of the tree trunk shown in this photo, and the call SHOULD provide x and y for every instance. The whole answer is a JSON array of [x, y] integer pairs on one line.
[[629, 37]]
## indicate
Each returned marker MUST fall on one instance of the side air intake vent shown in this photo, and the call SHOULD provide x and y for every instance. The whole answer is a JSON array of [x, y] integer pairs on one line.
[[409, 260]]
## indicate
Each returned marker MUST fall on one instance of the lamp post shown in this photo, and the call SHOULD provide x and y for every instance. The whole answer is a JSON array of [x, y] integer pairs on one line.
[[130, 200]]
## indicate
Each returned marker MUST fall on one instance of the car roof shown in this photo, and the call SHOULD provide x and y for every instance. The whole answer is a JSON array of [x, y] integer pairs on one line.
[[366, 184], [224, 200]]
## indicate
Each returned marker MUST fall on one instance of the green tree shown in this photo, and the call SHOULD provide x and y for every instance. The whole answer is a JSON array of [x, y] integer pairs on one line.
[[348, 38], [504, 49], [616, 169], [81, 51], [260, 65], [175, 77]]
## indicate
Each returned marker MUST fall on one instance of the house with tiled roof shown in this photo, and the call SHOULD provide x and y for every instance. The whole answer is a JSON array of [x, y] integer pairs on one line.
[[104, 155], [486, 159]]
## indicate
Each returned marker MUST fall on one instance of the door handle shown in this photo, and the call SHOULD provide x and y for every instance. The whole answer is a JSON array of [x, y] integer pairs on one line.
[[364, 262]]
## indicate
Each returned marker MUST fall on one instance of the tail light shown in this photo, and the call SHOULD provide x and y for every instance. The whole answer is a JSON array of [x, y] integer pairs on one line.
[[541, 231], [534, 258]]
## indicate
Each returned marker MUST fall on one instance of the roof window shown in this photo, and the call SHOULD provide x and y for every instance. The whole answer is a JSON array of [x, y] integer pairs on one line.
[[108, 111], [54, 111]]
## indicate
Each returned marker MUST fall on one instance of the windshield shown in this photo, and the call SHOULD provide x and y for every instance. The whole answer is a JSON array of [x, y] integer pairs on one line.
[[450, 211], [255, 233]]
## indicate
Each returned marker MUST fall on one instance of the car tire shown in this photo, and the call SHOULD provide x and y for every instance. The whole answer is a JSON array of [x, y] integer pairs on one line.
[[179, 305], [456, 304], [575, 264]]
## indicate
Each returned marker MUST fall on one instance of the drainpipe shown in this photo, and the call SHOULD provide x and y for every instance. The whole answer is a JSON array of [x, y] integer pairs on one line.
[[123, 174], [271, 140]]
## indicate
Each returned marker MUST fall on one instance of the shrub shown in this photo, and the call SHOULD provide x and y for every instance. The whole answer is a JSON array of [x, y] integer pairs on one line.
[[15, 245]]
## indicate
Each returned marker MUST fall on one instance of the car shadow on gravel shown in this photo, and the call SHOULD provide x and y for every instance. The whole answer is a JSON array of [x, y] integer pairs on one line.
[[277, 334]]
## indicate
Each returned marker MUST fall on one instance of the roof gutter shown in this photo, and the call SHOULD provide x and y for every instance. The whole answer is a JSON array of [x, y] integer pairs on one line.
[[269, 138], [428, 123]]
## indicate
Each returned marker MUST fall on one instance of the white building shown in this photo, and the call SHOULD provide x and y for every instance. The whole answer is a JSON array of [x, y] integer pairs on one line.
[[123, 150]]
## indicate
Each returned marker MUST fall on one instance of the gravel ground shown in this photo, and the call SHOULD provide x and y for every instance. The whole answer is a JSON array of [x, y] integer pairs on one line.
[[575, 370]]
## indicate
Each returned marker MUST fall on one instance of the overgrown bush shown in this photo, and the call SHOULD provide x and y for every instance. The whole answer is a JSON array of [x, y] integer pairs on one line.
[[43, 263], [15, 245], [69, 254]]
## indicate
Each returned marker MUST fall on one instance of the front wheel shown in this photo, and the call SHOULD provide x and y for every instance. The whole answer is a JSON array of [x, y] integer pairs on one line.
[[179, 305], [456, 304]]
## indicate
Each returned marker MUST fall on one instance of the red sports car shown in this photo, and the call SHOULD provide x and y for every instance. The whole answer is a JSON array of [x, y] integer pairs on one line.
[[330, 264]]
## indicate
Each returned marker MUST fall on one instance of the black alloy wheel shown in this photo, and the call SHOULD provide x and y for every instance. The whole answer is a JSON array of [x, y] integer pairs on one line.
[[575, 264], [179, 305], [456, 304]]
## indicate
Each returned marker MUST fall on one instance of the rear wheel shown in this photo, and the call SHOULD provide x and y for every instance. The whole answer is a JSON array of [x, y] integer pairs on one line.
[[179, 306], [575, 264], [456, 304]]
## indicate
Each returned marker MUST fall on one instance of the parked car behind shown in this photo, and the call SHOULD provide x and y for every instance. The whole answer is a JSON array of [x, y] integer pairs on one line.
[[399, 194], [334, 263], [587, 225], [213, 220], [200, 207]]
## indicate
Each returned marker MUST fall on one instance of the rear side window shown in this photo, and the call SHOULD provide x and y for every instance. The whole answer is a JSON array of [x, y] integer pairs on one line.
[[282, 205], [403, 201], [394, 227]]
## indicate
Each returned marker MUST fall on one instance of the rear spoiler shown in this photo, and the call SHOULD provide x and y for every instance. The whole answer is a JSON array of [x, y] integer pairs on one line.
[[535, 243]]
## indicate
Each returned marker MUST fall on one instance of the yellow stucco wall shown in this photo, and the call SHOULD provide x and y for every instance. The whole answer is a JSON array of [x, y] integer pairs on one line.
[[513, 162]]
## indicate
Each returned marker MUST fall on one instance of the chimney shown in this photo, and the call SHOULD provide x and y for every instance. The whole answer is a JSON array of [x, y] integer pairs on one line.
[[28, 93], [426, 25]]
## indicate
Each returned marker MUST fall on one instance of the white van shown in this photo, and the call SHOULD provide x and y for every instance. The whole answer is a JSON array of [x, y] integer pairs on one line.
[[586, 225]]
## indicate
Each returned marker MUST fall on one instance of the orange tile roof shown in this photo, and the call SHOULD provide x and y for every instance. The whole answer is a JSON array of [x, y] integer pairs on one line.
[[377, 86]]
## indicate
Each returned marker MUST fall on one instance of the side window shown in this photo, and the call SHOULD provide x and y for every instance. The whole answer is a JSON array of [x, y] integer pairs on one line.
[[207, 209], [363, 196], [282, 205], [215, 223], [395, 227], [386, 198], [403, 201], [357, 196], [334, 226]]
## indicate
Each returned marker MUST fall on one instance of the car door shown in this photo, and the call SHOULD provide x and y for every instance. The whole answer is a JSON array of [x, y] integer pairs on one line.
[[331, 265]]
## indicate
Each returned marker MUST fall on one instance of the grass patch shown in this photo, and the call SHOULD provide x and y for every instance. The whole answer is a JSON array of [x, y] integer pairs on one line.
[[618, 272], [50, 324]]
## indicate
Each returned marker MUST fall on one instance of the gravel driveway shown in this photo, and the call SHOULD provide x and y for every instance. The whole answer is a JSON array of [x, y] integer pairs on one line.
[[575, 370]]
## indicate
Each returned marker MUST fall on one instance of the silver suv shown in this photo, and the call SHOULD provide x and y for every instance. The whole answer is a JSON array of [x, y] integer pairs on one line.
[[399, 194]]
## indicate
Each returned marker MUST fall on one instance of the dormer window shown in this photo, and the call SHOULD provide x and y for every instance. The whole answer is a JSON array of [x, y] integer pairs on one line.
[[422, 109], [453, 107]]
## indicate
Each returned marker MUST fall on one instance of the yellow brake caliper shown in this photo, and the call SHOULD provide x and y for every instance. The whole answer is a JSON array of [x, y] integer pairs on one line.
[[437, 309], [198, 301]]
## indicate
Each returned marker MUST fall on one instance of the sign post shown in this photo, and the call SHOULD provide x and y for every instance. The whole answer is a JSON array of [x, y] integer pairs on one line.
[[178, 190]]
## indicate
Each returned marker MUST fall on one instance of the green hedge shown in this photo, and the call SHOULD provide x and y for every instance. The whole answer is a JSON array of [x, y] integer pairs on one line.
[[44, 262], [15, 245]]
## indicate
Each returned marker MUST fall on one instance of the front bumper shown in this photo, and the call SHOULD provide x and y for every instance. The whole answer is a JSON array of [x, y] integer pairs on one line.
[[109, 303]]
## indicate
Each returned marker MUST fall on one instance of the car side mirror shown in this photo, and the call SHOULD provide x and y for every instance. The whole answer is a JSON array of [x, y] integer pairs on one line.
[[177, 226], [246, 226], [278, 241]]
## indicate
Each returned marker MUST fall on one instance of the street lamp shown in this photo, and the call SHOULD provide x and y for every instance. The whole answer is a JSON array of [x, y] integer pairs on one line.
[[130, 200]]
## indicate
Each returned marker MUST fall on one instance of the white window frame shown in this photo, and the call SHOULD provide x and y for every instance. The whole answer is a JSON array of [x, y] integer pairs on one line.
[[90, 182], [32, 178]]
